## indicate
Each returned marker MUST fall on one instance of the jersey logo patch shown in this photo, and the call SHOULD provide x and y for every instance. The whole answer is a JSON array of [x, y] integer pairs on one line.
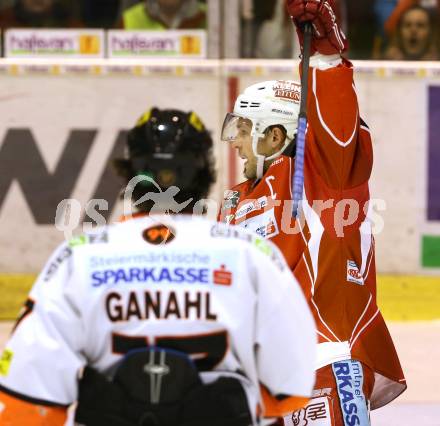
[[265, 224], [222, 276], [159, 234], [251, 206], [231, 199], [318, 412], [95, 238], [5, 362], [353, 274]]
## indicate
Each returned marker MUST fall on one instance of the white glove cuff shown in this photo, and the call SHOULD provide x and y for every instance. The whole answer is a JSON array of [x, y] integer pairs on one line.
[[324, 62]]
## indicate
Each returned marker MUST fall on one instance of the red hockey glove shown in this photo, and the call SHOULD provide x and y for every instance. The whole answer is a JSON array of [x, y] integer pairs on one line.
[[328, 38]]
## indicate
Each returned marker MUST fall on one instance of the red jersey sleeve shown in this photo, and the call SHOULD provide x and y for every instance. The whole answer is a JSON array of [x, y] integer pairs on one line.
[[336, 136]]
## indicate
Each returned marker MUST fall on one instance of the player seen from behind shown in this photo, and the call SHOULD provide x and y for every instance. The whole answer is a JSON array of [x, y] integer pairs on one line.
[[168, 319], [330, 247]]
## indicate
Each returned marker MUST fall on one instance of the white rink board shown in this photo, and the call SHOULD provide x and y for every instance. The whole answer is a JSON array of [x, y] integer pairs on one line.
[[52, 105], [53, 98]]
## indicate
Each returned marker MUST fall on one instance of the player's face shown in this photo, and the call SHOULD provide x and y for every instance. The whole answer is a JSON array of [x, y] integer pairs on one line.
[[415, 33], [243, 144], [268, 145]]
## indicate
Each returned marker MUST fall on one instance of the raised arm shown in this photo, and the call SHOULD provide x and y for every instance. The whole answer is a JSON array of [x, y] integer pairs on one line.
[[333, 140]]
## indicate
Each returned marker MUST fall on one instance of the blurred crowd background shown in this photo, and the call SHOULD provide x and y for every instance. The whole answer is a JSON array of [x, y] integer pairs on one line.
[[377, 29]]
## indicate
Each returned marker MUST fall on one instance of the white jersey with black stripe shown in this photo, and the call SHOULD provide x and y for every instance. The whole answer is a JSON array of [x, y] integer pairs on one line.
[[216, 292]]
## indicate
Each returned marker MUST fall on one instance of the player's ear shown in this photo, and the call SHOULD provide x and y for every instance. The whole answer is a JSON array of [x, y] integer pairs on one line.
[[277, 138]]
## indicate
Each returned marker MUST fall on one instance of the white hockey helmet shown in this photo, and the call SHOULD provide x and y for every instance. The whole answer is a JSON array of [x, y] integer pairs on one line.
[[265, 104]]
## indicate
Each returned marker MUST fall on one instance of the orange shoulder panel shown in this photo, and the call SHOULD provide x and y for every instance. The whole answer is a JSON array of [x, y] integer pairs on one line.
[[275, 408], [16, 412]]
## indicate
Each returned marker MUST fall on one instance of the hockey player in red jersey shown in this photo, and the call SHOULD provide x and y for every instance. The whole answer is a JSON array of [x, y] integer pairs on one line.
[[330, 247], [168, 319]]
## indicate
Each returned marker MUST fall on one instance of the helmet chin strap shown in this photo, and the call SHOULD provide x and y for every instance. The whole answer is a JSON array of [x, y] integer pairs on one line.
[[260, 166], [261, 159]]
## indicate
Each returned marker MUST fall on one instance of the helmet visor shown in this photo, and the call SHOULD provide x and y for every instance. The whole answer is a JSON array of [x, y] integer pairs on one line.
[[235, 127]]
